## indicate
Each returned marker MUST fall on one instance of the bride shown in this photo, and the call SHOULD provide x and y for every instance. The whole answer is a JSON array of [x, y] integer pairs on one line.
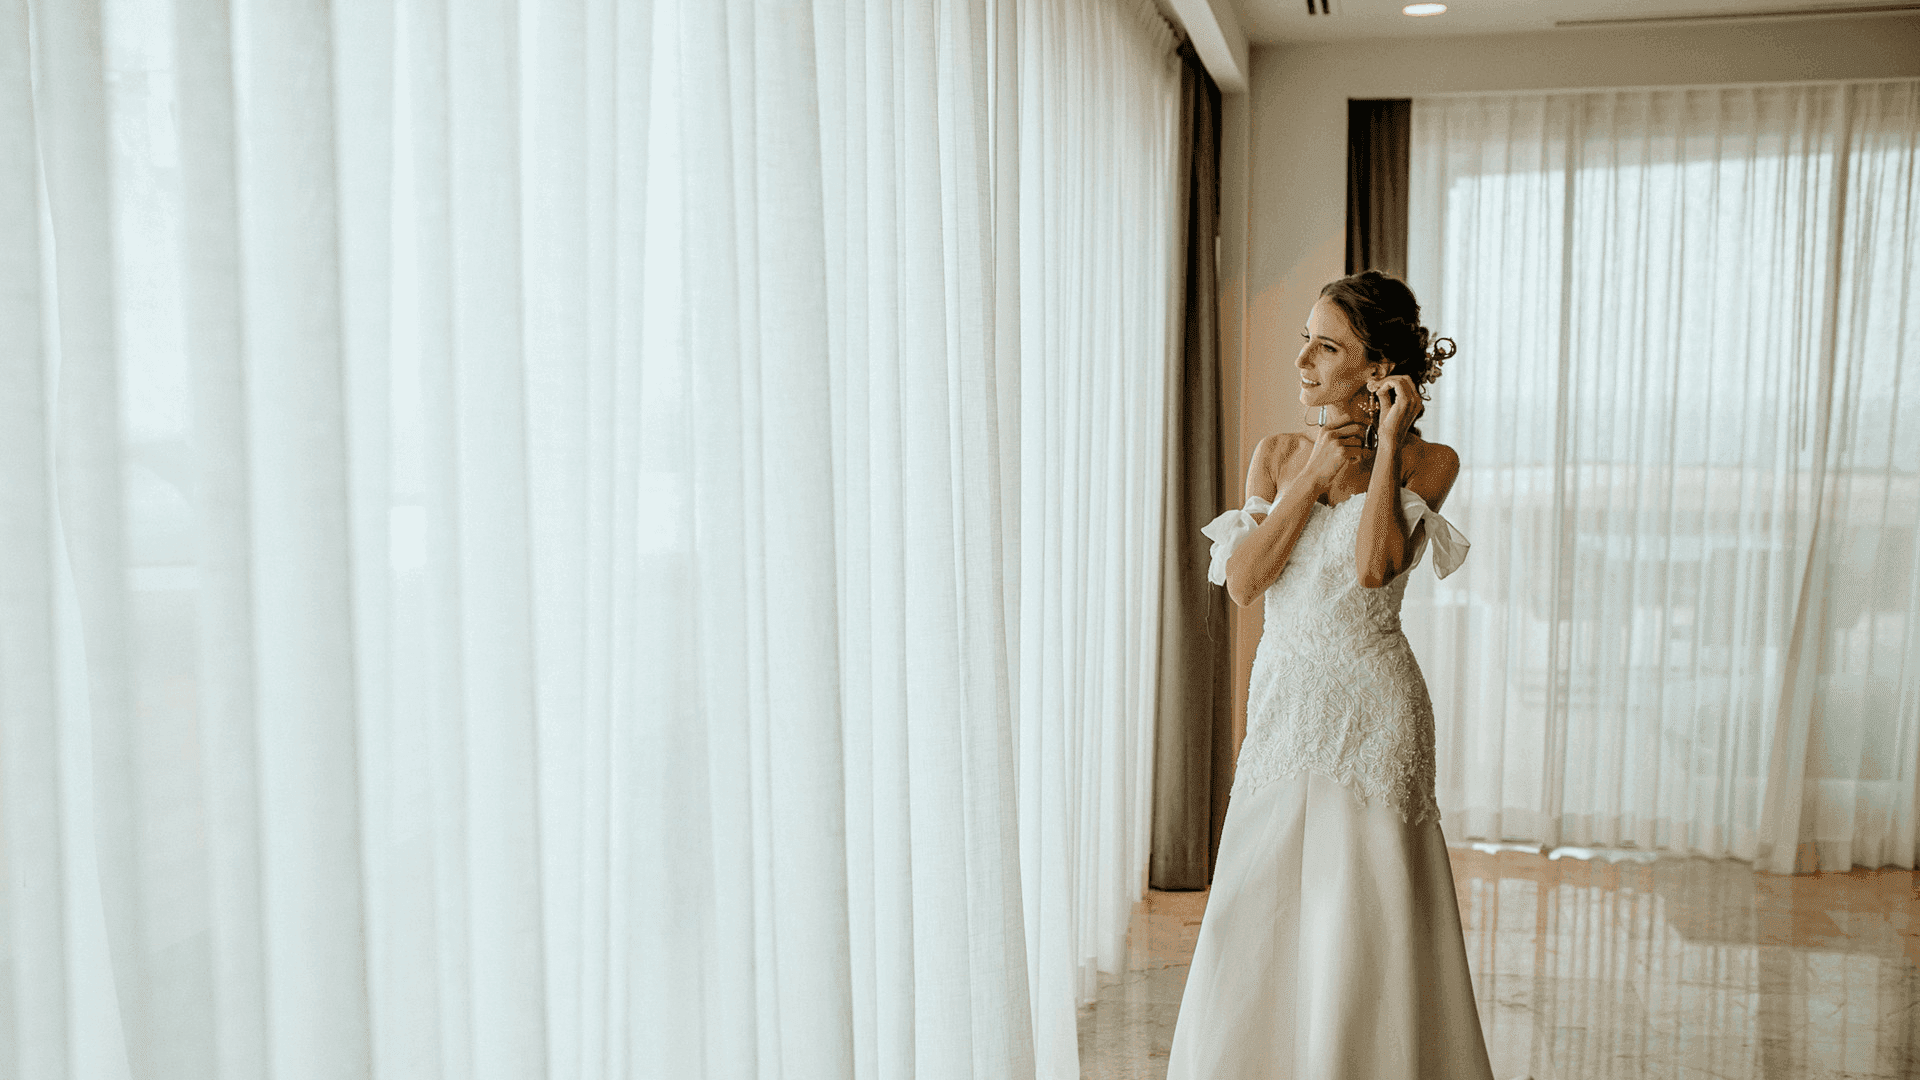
[[1331, 946]]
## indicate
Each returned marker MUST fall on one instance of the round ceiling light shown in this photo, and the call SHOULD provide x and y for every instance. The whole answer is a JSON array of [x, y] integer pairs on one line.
[[1424, 9]]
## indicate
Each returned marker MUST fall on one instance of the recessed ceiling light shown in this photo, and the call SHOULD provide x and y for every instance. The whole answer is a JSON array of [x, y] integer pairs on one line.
[[1424, 9]]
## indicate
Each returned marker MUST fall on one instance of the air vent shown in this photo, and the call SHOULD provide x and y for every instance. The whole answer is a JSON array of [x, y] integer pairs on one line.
[[1738, 16], [1319, 7]]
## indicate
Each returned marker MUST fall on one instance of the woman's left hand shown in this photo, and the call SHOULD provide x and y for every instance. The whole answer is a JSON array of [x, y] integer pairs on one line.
[[1399, 402]]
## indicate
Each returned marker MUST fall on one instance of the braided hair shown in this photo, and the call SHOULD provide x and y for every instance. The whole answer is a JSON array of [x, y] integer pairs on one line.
[[1386, 318]]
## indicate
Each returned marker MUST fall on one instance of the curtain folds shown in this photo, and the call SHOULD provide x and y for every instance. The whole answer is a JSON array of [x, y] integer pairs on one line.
[[577, 539], [1193, 724], [1099, 183], [1378, 134], [1688, 437]]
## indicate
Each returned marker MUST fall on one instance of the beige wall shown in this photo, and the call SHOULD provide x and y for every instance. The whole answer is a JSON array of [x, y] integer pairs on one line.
[[1283, 194]]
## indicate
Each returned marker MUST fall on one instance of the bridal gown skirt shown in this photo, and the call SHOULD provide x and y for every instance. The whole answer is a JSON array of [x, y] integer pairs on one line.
[[1331, 948]]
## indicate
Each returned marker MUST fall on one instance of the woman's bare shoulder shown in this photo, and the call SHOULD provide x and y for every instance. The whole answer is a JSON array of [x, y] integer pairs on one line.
[[1273, 462], [1282, 445], [1429, 469], [1421, 451]]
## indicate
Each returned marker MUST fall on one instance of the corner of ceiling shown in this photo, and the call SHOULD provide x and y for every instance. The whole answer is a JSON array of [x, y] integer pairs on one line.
[[1214, 28]]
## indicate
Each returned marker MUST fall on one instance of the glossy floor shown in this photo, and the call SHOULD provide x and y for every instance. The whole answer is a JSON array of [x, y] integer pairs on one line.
[[1693, 969]]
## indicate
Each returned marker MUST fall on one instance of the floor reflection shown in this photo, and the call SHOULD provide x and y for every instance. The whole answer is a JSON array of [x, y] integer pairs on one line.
[[1596, 970]]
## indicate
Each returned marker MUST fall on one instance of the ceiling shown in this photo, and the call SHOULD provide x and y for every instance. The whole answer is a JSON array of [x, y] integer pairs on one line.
[[1287, 20]]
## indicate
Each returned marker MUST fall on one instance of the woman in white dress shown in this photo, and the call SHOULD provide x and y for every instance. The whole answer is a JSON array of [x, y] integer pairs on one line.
[[1331, 946]]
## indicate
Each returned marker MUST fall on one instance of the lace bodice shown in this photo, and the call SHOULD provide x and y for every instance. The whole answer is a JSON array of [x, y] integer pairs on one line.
[[1335, 688]]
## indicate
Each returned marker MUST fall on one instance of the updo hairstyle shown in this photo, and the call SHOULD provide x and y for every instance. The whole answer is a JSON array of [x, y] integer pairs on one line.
[[1386, 318]]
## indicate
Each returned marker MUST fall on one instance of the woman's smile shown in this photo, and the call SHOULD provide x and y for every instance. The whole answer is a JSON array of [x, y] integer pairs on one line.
[[1332, 364]]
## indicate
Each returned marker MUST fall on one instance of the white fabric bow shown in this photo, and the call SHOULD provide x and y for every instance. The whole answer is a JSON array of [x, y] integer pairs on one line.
[[1449, 544], [1226, 532]]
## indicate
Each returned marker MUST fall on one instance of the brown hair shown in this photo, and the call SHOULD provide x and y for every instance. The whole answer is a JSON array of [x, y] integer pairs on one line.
[[1386, 318]]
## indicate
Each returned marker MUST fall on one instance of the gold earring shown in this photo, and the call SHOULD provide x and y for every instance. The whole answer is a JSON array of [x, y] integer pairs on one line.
[[1371, 406]]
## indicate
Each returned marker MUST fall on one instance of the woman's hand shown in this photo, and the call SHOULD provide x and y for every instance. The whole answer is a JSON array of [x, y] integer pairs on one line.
[[1334, 448], [1400, 405]]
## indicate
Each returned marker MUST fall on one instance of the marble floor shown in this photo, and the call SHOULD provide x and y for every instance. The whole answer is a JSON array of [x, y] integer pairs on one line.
[[1692, 969]]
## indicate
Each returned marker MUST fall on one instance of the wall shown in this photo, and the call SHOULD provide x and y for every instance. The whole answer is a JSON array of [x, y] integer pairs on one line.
[[1283, 196]]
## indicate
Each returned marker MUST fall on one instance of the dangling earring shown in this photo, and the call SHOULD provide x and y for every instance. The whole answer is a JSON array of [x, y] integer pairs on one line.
[[1315, 417], [1371, 406]]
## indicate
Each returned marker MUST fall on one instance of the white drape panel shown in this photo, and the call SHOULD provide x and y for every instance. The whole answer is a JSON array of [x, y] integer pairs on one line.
[[1091, 479], [576, 539], [1100, 184], [1690, 444]]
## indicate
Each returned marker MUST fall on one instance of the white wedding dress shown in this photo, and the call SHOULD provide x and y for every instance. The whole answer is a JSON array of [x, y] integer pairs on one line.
[[1331, 947]]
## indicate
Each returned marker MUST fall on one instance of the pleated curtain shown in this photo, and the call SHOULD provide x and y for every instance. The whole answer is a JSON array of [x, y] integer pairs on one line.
[[1193, 725], [1096, 330], [576, 539], [1378, 130], [1687, 404]]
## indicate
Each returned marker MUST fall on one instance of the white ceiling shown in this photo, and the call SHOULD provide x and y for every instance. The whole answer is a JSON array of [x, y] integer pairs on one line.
[[1268, 21]]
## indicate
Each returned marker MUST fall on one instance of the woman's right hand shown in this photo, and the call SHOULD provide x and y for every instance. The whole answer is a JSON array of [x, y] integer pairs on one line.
[[1334, 448]]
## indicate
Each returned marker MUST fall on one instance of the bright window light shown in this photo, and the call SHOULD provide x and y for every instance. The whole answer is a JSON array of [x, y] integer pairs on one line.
[[1423, 9]]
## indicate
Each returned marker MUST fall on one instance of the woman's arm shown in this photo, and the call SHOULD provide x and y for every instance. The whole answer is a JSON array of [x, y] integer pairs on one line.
[[1385, 546], [1260, 558]]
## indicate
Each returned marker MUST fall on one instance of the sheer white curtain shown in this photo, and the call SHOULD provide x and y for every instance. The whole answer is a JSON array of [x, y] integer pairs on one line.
[[575, 539], [1687, 412], [1098, 183]]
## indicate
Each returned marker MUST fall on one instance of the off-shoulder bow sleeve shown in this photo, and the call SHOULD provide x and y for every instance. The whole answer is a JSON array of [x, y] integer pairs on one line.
[[1226, 532], [1449, 545]]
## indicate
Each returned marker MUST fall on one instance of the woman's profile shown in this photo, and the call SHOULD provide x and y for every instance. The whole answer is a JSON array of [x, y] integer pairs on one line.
[[1331, 947]]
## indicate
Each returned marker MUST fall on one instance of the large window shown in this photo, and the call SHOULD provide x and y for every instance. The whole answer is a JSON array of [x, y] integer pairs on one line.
[[1687, 410], [576, 538]]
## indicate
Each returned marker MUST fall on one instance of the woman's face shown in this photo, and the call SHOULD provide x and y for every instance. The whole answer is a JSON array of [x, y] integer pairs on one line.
[[1333, 367]]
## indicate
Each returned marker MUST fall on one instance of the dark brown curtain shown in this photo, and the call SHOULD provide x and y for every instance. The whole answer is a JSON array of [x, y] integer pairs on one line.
[[1379, 134], [1193, 732]]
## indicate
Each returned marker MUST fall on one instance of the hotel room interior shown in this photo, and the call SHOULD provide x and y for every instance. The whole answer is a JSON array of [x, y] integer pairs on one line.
[[661, 538]]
